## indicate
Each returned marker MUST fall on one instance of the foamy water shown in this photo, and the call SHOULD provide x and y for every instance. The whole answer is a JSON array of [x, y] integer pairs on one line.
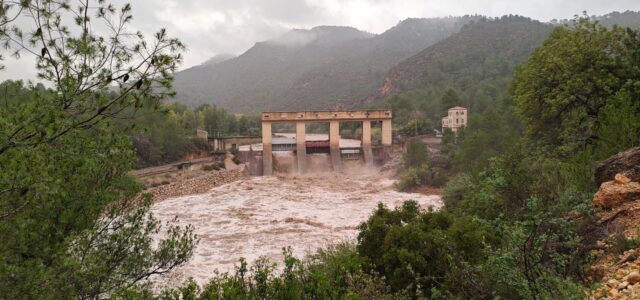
[[258, 216]]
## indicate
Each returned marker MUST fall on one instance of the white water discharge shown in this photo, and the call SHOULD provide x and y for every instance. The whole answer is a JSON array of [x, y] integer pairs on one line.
[[260, 215]]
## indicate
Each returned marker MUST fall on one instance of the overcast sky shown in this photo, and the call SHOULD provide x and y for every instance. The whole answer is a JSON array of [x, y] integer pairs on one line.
[[211, 27]]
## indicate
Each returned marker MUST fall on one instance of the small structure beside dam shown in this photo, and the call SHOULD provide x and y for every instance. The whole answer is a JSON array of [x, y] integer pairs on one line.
[[302, 147]]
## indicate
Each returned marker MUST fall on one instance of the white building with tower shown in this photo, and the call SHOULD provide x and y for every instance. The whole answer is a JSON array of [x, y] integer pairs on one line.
[[455, 119]]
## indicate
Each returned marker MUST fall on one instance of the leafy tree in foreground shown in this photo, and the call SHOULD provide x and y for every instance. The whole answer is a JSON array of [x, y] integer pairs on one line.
[[568, 82], [71, 219], [84, 68]]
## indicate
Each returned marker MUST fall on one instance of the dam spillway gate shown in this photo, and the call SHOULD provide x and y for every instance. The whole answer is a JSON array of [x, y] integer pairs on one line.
[[302, 147]]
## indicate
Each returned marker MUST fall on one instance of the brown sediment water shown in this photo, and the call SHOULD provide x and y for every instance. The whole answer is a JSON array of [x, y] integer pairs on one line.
[[259, 216]]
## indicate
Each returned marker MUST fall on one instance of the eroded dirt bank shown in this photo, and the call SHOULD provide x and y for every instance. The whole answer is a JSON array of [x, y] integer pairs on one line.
[[258, 216]]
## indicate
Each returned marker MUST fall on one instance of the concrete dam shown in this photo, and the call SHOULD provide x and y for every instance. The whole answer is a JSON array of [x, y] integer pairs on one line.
[[263, 159]]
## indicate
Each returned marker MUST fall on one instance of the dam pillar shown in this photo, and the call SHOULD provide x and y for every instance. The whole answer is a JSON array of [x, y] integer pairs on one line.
[[386, 137], [334, 144], [386, 133], [301, 146], [267, 158], [366, 143]]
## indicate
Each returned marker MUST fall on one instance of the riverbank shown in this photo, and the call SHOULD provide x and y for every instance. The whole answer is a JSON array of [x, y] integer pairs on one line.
[[195, 185]]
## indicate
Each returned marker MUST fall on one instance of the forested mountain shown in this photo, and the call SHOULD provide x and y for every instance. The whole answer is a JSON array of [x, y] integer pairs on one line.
[[472, 68], [311, 69], [486, 50], [628, 18], [327, 67]]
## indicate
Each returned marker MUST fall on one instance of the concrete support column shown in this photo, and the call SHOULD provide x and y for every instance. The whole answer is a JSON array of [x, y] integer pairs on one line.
[[267, 158], [334, 144], [301, 146], [366, 143], [386, 132], [366, 132]]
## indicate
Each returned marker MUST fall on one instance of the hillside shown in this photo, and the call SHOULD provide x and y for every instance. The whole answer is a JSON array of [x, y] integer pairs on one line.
[[310, 69], [484, 50], [472, 68], [218, 59], [328, 66]]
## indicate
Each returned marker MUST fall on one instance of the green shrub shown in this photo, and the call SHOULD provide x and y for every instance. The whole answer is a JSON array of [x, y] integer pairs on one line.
[[409, 178], [416, 153], [425, 252], [331, 273], [422, 175]]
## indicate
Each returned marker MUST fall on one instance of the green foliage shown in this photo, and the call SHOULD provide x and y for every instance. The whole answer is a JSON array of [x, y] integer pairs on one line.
[[416, 153], [161, 137], [421, 176], [72, 57], [575, 78], [73, 223], [449, 99], [424, 253], [417, 126], [72, 220], [218, 122], [333, 273], [472, 68], [540, 212], [488, 134]]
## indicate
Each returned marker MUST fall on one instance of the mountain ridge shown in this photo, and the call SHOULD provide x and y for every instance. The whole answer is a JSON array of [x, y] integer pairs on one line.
[[339, 66], [308, 69]]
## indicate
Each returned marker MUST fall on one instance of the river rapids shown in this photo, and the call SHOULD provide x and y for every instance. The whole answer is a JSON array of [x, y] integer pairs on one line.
[[259, 216]]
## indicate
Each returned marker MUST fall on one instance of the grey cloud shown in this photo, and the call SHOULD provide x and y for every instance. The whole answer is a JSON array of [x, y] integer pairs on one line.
[[211, 27]]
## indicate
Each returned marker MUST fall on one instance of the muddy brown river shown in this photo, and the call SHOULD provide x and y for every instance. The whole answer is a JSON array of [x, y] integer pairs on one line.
[[260, 215]]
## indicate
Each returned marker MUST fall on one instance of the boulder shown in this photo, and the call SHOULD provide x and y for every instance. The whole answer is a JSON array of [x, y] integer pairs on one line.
[[626, 163], [612, 194], [623, 285], [633, 277], [621, 179]]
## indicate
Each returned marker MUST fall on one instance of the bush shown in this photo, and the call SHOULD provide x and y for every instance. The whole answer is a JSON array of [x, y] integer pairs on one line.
[[332, 273], [416, 153], [425, 253], [409, 178], [422, 175]]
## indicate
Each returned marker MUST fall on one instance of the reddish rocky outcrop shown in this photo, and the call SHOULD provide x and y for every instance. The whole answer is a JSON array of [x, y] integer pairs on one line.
[[617, 274], [616, 192], [626, 163]]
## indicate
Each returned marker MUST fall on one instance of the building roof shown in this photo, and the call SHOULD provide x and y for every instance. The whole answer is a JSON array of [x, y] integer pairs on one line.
[[457, 107]]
